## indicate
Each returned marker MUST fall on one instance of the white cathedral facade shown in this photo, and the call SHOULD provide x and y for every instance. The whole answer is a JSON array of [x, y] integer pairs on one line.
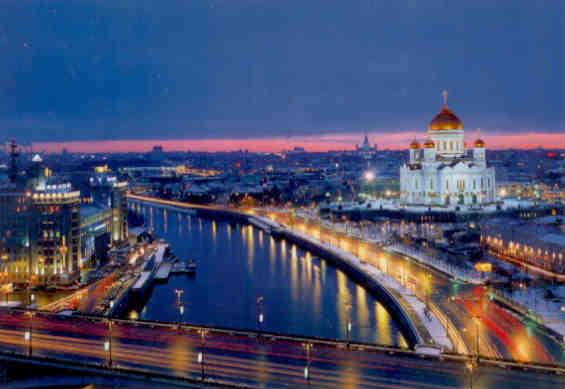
[[443, 171]]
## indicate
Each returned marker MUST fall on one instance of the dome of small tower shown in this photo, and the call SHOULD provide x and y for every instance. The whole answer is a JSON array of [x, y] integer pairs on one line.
[[415, 145], [429, 144]]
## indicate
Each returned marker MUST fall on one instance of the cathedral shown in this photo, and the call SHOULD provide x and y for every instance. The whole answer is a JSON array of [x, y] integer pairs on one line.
[[443, 171]]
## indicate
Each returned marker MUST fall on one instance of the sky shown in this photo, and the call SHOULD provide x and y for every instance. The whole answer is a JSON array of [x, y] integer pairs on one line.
[[265, 75]]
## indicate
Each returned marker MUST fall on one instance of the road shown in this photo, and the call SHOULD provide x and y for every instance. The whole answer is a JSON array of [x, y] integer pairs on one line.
[[242, 358]]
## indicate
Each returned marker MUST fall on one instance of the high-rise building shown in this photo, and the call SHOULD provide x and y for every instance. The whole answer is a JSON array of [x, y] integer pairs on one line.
[[57, 243], [119, 212], [39, 220], [16, 231], [108, 191]]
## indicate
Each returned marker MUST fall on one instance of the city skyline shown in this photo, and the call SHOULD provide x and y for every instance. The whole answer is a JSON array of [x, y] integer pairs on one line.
[[312, 143]]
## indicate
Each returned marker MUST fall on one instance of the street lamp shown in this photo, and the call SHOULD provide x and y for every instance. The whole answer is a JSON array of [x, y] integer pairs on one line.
[[349, 325], [477, 324], [200, 356], [108, 344], [179, 304], [260, 315], [308, 348], [470, 367], [200, 360], [28, 334], [27, 339], [369, 176]]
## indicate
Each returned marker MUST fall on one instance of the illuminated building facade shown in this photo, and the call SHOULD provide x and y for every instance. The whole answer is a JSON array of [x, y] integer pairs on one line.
[[443, 172], [15, 230], [107, 191], [57, 215]]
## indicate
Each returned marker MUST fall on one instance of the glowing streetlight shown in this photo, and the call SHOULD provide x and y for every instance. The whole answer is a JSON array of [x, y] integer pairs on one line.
[[260, 315], [27, 334], [348, 327], [200, 358], [179, 304], [470, 367], [369, 176], [200, 355], [308, 348], [108, 344]]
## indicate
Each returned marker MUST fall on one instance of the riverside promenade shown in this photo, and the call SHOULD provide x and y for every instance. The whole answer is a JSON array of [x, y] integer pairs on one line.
[[469, 322], [423, 330]]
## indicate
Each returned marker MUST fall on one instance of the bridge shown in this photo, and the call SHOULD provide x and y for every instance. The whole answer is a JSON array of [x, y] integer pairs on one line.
[[186, 354]]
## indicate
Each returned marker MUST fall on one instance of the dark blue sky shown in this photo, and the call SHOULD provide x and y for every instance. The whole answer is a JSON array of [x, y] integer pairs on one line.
[[75, 70]]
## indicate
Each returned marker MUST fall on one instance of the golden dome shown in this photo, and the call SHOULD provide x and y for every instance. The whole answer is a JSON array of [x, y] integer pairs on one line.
[[414, 145], [479, 143], [429, 144], [445, 120]]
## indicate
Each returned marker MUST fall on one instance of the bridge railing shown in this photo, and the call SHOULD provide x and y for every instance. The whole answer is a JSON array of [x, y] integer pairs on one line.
[[194, 352]]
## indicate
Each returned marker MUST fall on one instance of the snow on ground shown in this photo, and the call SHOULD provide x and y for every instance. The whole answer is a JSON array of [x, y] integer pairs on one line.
[[550, 310], [432, 324], [394, 205], [458, 272], [426, 317]]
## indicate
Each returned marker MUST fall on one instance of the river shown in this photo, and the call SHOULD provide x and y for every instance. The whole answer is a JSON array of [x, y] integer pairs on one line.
[[237, 264]]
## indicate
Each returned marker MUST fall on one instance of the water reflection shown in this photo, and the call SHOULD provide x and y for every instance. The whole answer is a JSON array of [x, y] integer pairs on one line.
[[302, 294]]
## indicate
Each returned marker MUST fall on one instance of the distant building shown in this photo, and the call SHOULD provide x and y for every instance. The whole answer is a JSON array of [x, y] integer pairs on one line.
[[365, 148], [296, 150], [157, 154], [95, 233], [442, 171], [107, 191]]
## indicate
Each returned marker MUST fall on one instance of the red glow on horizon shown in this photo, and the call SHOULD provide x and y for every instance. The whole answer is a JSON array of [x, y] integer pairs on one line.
[[320, 143]]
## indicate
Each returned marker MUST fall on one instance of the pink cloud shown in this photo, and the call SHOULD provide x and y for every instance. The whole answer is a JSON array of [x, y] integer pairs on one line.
[[325, 142]]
